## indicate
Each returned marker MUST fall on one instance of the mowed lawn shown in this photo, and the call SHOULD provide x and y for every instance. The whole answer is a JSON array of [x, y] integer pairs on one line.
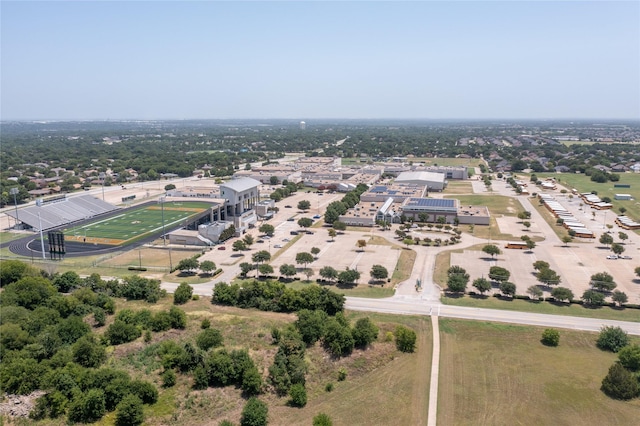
[[135, 223], [499, 374]]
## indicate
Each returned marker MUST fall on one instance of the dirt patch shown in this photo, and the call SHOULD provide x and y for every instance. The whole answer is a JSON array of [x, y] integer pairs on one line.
[[19, 405]]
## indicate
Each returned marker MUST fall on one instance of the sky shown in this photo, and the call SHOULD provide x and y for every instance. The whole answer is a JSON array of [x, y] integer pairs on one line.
[[84, 60]]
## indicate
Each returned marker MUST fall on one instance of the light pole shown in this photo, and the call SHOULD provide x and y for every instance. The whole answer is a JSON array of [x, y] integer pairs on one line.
[[161, 201], [102, 177], [14, 191]]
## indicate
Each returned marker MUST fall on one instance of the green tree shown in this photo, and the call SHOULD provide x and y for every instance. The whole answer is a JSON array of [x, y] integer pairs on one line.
[[550, 337], [261, 256], [602, 281], [305, 222], [120, 332], [207, 266], [87, 407], [311, 325], [457, 283], [482, 285], [332, 233], [182, 294], [566, 239], [534, 292], [606, 239], [304, 258], [245, 268], [348, 276], [209, 338], [491, 249], [361, 244], [337, 338], [405, 339], [620, 383], [364, 332], [287, 270], [328, 273], [539, 265], [548, 277], [67, 281], [612, 338], [88, 352], [304, 205], [617, 248], [315, 251], [508, 288], [267, 229], [592, 298], [265, 269], [129, 411], [562, 294], [379, 272], [619, 297], [498, 273], [254, 413], [188, 265], [248, 240], [629, 357], [298, 395], [239, 245]]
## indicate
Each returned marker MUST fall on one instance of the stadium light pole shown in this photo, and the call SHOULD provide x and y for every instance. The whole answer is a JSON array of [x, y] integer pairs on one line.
[[14, 191], [102, 177], [164, 239]]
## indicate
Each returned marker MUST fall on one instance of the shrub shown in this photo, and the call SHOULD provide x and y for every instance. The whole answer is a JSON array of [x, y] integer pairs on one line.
[[321, 419], [200, 378], [209, 338], [87, 407], [298, 395], [550, 337], [168, 378], [629, 357], [342, 375], [612, 339], [120, 332], [620, 383], [405, 339], [364, 332], [129, 411], [254, 413], [206, 323], [182, 294], [328, 387], [144, 390]]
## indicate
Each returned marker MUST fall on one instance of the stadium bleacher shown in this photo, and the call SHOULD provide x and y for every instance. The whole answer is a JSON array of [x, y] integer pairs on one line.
[[61, 213]]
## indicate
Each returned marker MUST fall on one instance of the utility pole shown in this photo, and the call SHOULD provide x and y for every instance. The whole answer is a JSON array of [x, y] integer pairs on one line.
[[102, 177], [14, 191]]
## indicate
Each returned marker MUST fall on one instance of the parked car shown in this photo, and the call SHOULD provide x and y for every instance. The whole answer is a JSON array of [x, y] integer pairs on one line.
[[317, 216], [625, 257], [290, 219], [277, 246], [286, 240], [293, 232], [259, 241], [222, 248], [287, 207], [612, 256]]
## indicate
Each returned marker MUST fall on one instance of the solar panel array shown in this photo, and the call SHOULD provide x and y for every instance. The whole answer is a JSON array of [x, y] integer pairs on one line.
[[432, 202]]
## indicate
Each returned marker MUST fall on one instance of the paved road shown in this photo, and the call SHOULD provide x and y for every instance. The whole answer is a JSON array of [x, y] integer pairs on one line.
[[416, 306]]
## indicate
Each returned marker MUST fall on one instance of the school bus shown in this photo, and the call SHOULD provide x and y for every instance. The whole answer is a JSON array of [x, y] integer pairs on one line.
[[520, 245]]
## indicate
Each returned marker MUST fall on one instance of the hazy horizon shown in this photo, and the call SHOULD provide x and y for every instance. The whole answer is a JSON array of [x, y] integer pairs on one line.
[[323, 61]]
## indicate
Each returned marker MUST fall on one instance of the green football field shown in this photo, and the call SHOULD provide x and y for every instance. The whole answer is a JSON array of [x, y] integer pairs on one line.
[[135, 223]]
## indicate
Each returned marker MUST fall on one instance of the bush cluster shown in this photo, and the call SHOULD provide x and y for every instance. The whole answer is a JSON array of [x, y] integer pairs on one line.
[[275, 296]]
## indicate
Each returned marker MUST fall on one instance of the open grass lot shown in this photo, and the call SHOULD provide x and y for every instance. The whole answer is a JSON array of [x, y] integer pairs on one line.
[[584, 184], [497, 374], [575, 310], [135, 223], [399, 380], [5, 237], [376, 392], [498, 205], [458, 187]]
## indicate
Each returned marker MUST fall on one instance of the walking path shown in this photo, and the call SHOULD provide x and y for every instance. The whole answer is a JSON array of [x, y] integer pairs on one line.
[[435, 371]]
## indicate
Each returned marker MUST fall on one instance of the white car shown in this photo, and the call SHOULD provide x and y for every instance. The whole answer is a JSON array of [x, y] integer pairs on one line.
[[625, 257], [612, 256], [277, 246]]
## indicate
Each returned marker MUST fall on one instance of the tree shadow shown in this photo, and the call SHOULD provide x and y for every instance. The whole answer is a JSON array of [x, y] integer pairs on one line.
[[452, 295]]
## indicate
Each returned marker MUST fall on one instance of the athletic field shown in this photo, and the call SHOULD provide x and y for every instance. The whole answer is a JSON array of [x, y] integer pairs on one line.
[[135, 223]]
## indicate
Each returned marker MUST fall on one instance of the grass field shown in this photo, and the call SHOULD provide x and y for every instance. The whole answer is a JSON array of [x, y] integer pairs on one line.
[[575, 310], [498, 205], [498, 374], [135, 223]]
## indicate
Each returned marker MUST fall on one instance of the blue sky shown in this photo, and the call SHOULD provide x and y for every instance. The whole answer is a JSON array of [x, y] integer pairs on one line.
[[306, 60]]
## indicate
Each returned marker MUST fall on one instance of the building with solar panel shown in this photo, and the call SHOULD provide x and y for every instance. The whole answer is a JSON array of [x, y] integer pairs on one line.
[[434, 207]]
